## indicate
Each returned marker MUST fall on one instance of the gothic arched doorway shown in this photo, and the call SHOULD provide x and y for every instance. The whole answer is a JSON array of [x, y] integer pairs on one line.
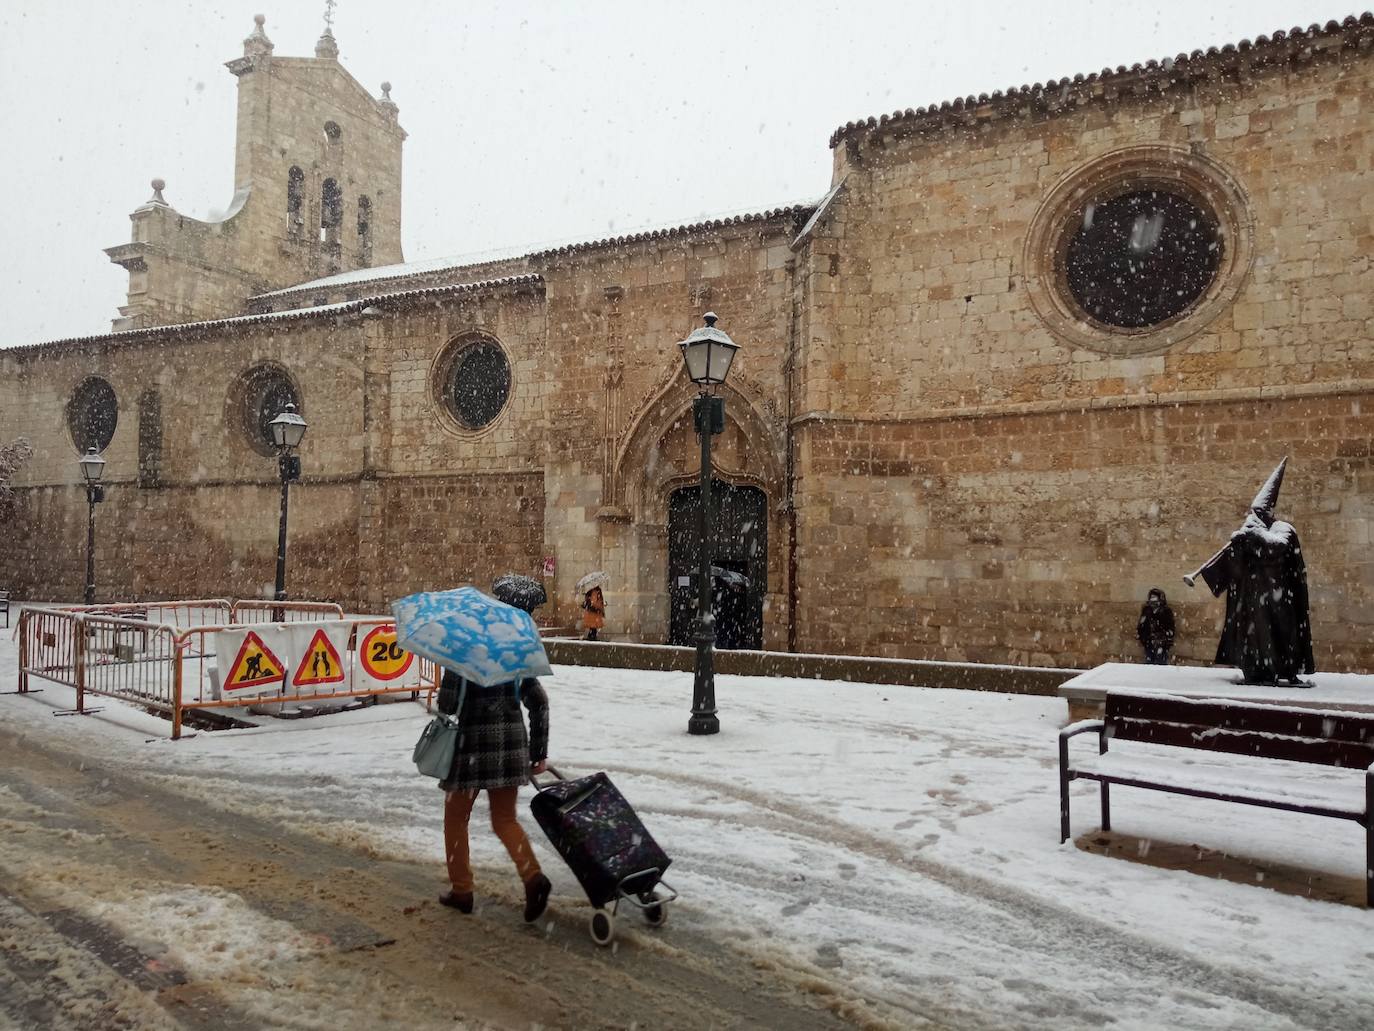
[[739, 560]]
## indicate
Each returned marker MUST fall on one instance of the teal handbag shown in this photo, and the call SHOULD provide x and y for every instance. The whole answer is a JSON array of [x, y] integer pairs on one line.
[[433, 754]]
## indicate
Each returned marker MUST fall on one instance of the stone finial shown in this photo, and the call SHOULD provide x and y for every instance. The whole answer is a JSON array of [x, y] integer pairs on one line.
[[386, 103], [158, 186], [327, 48], [257, 44]]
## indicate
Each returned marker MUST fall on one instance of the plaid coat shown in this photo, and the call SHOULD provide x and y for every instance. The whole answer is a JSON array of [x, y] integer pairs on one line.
[[494, 751]]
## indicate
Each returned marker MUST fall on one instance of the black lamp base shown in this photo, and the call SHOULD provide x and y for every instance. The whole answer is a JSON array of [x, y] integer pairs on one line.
[[703, 723]]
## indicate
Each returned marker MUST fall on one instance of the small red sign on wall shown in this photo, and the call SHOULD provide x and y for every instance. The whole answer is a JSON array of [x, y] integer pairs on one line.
[[550, 566]]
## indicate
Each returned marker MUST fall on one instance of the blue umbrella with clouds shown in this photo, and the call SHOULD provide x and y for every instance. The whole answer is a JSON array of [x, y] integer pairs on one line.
[[477, 637]]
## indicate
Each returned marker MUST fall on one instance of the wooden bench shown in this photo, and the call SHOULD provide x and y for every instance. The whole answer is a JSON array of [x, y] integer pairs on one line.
[[1287, 736]]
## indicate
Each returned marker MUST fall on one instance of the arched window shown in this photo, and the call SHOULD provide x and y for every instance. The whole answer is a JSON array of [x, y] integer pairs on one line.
[[149, 439], [331, 211], [295, 198], [365, 229], [332, 130]]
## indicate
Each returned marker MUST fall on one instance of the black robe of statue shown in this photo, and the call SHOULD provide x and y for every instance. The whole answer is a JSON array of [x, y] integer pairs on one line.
[[1268, 632]]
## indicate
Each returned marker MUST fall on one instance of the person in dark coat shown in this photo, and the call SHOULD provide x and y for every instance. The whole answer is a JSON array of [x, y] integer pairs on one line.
[[1268, 629], [1155, 628], [495, 755]]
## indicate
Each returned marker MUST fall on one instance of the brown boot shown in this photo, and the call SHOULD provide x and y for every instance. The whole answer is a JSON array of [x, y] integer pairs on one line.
[[459, 900], [537, 890]]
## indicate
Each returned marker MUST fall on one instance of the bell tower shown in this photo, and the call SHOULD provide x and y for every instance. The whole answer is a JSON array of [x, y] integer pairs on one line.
[[317, 190]]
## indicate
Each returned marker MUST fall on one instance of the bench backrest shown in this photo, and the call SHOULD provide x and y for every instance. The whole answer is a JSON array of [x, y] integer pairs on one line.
[[1300, 735]]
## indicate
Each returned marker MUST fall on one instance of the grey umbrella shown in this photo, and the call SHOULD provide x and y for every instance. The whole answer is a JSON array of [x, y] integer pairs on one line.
[[729, 577], [524, 592]]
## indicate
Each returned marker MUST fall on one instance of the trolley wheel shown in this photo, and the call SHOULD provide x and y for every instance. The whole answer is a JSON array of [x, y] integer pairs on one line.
[[655, 915], [602, 927]]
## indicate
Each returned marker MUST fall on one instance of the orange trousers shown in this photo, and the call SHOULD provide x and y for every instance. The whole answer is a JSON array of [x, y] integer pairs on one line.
[[457, 812]]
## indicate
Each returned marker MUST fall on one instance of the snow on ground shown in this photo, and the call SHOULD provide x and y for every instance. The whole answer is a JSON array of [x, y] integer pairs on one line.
[[897, 842]]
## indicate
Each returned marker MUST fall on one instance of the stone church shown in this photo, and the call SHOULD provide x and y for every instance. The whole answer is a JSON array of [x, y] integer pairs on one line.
[[1030, 354]]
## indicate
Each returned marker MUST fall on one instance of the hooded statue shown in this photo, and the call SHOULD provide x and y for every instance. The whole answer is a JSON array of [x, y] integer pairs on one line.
[[1268, 632]]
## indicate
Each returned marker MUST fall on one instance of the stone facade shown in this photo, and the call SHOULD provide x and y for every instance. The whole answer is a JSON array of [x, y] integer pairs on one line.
[[956, 464], [305, 129]]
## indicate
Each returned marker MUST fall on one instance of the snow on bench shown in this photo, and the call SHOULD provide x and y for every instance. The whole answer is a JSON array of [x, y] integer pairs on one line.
[[1300, 760]]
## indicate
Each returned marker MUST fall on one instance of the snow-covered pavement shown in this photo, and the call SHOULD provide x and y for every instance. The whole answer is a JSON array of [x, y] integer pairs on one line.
[[897, 846]]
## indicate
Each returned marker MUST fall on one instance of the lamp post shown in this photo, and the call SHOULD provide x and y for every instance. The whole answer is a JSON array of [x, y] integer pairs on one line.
[[288, 429], [92, 468], [707, 354]]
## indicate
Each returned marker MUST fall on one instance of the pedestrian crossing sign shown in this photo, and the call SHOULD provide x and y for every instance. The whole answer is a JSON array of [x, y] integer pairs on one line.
[[320, 664], [254, 666]]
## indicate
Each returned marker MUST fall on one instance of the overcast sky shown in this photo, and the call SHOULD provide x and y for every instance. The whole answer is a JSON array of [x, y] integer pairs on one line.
[[530, 123]]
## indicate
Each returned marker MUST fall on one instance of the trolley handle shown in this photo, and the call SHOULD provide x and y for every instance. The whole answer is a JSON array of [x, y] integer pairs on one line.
[[534, 779], [572, 803]]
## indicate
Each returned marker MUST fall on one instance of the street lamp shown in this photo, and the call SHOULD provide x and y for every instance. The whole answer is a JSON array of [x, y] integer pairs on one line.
[[707, 354], [288, 429], [92, 468]]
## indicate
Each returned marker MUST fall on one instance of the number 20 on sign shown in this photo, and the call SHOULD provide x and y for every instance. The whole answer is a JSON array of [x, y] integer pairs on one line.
[[381, 656]]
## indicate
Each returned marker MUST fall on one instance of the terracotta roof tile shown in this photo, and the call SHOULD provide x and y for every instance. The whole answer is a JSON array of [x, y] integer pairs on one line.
[[798, 211], [290, 315], [1161, 73]]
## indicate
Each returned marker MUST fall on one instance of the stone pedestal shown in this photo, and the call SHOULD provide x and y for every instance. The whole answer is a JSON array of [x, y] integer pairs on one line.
[[1087, 692]]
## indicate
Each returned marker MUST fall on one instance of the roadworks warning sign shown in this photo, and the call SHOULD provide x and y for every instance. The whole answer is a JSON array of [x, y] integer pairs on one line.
[[322, 665], [255, 665]]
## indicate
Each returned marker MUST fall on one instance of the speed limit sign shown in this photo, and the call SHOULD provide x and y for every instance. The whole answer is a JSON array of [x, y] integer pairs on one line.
[[381, 657]]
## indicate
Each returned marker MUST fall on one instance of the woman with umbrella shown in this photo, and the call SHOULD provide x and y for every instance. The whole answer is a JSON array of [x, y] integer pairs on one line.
[[487, 677], [593, 602]]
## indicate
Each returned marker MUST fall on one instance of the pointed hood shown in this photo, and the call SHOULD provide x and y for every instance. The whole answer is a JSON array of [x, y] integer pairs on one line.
[[1266, 501]]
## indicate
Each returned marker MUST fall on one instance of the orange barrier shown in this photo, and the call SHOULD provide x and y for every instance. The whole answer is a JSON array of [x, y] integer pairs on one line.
[[257, 611], [172, 613], [163, 667]]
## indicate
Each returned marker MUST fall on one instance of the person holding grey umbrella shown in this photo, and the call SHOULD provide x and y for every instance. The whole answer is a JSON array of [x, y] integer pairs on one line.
[[524, 592]]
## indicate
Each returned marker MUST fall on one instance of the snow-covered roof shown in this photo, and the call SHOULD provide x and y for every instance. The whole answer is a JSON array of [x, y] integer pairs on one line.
[[403, 270], [1178, 71], [291, 315], [412, 269]]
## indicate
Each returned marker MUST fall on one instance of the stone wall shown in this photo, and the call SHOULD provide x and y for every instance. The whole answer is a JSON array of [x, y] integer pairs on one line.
[[207, 524], [931, 308], [443, 531], [178, 542], [980, 479], [1033, 539]]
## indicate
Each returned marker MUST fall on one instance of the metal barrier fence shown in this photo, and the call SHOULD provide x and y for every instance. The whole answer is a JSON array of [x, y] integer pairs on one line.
[[172, 613], [258, 611], [163, 667]]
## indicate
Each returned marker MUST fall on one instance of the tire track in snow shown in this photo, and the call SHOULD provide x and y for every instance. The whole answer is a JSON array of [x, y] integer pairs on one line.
[[1066, 935]]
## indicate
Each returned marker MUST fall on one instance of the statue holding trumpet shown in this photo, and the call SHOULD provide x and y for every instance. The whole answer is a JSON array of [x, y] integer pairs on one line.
[[1268, 632]]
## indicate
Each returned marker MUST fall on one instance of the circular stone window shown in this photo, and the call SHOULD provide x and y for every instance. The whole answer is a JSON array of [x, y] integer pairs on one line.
[[92, 415], [261, 394], [1138, 250], [1142, 258], [474, 382]]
